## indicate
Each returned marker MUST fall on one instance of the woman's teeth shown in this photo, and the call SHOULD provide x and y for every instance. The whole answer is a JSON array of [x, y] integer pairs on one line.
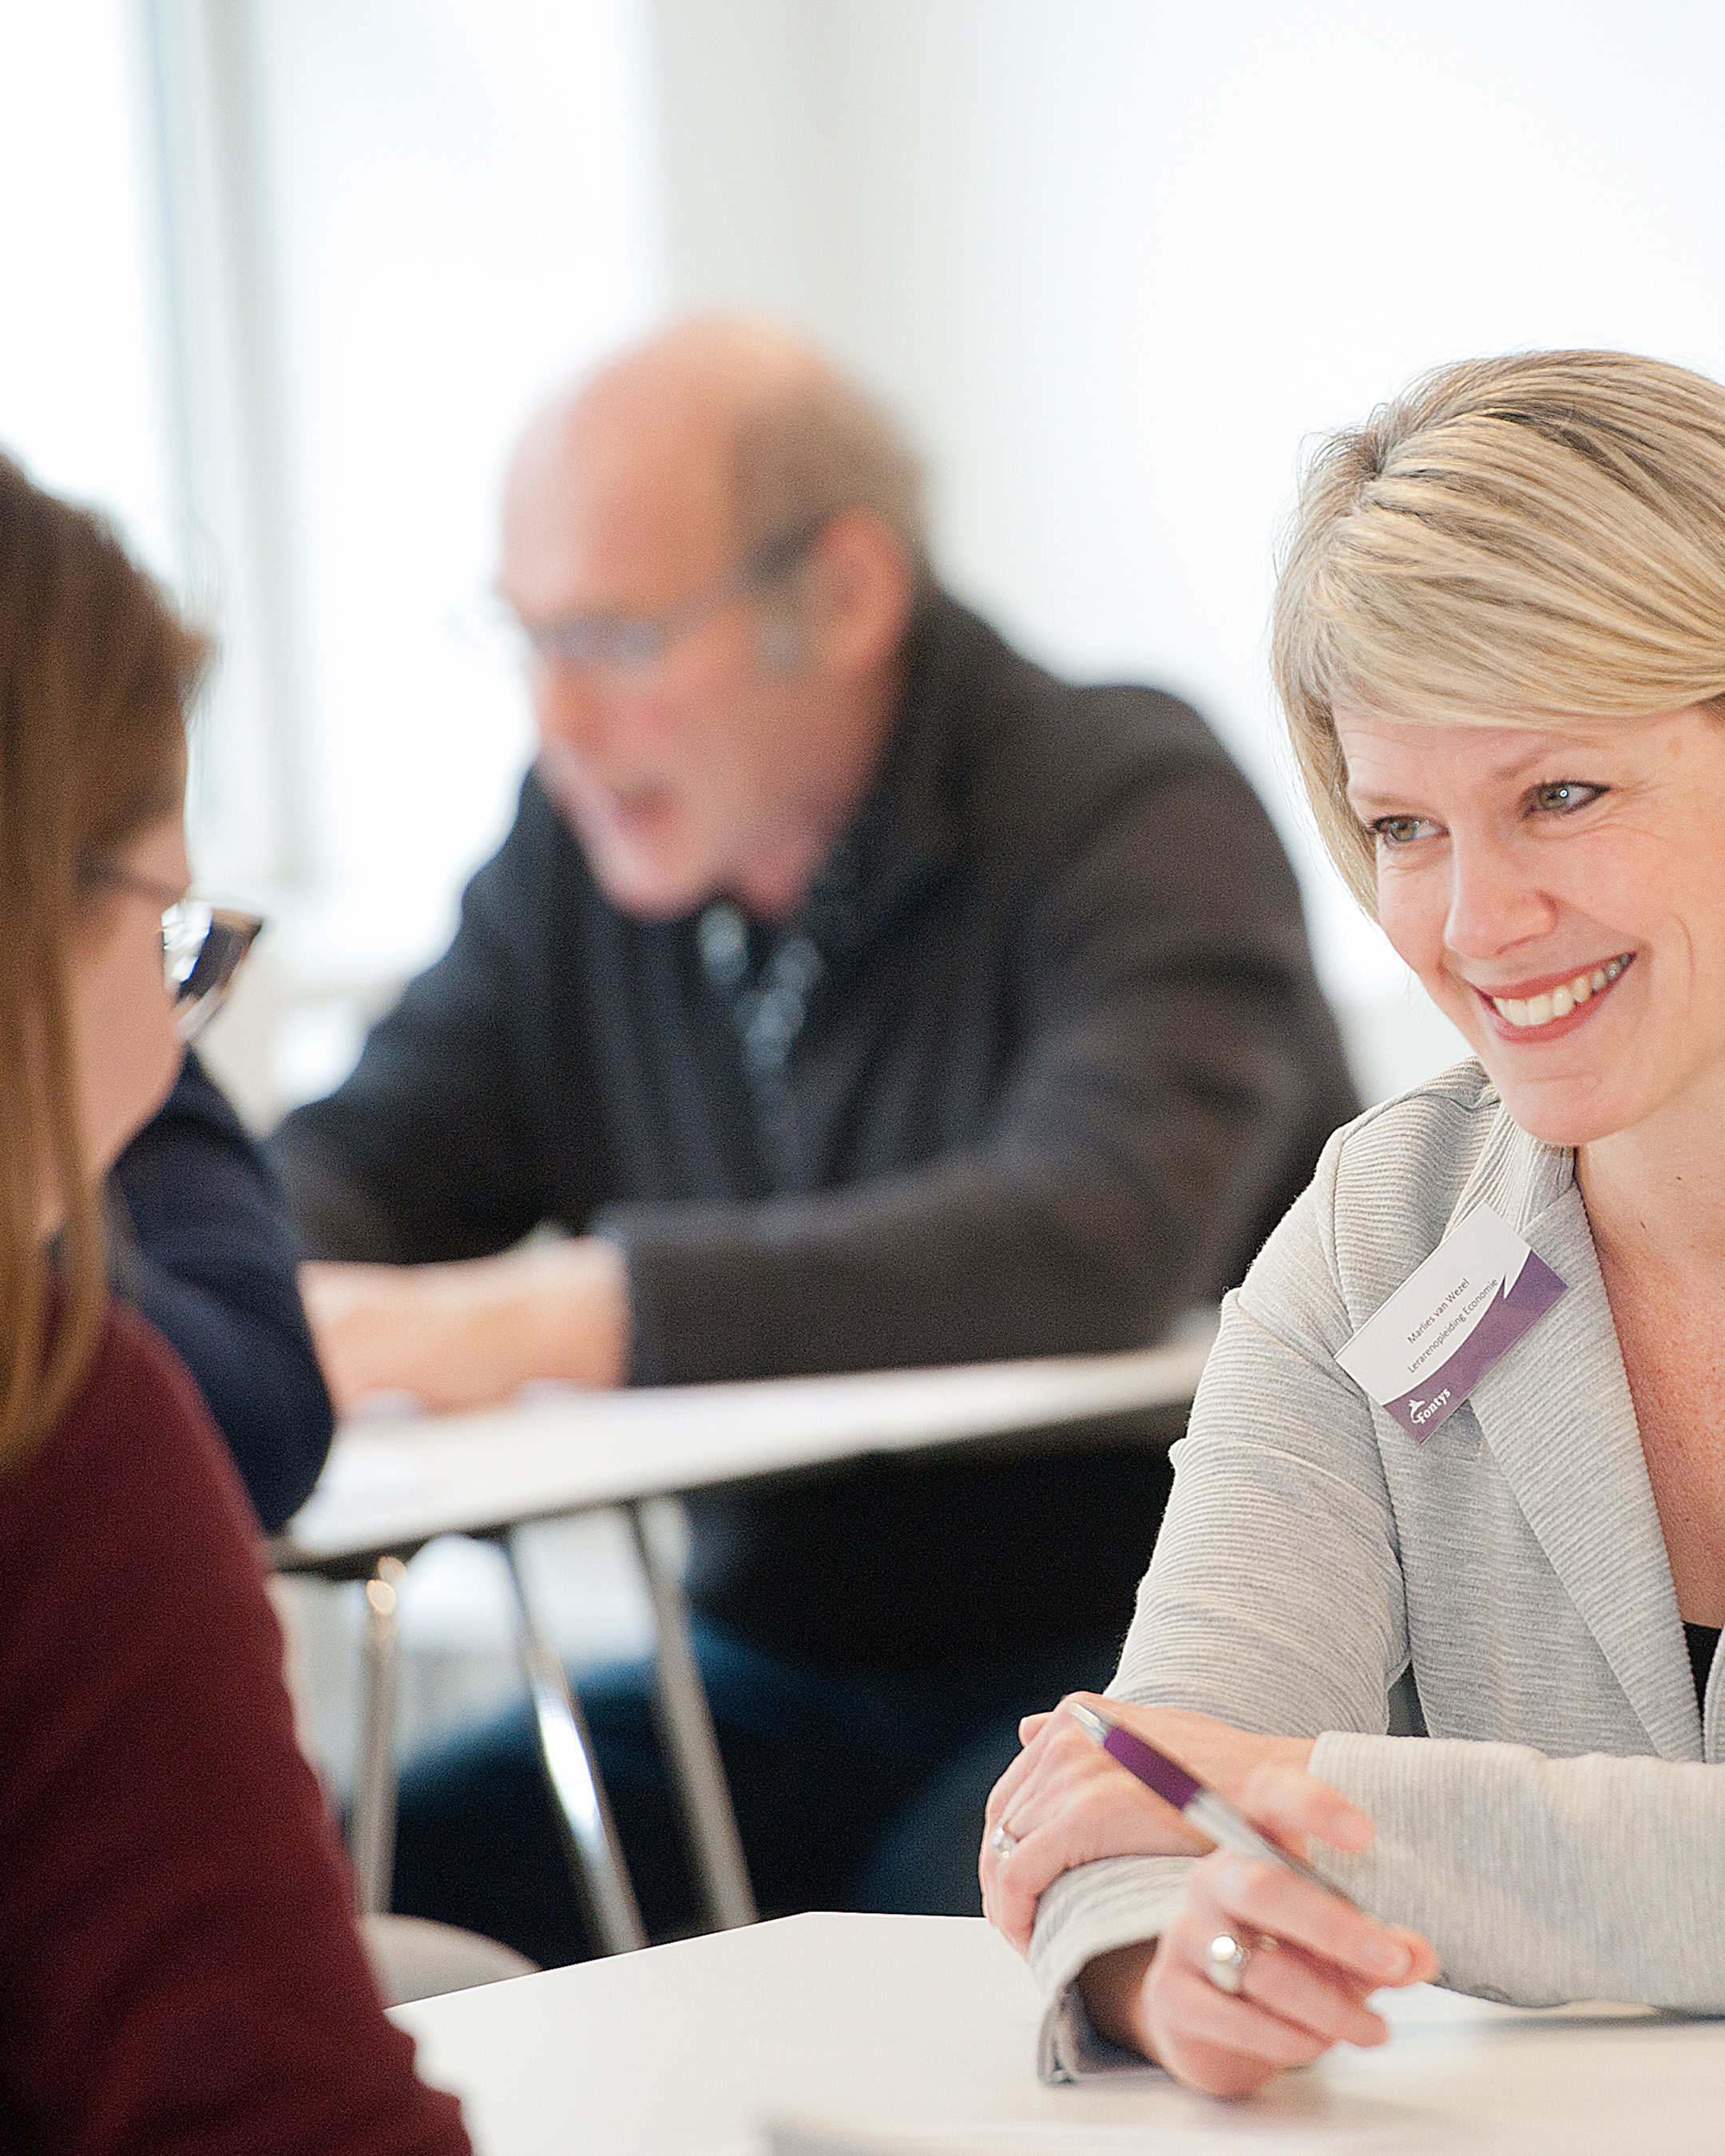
[[1559, 1002]]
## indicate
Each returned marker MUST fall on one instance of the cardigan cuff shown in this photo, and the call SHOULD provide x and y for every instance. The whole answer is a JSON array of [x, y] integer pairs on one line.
[[1069, 2049], [1120, 1901]]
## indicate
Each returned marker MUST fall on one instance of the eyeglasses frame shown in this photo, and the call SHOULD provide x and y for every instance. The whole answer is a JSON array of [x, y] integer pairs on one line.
[[632, 642], [183, 954]]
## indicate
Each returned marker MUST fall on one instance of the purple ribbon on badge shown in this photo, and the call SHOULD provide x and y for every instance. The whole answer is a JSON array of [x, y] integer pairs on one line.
[[1513, 1309], [1460, 1310]]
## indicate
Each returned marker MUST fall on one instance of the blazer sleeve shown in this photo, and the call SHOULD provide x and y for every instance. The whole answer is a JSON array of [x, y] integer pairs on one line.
[[1274, 1601], [204, 1250], [1540, 1879]]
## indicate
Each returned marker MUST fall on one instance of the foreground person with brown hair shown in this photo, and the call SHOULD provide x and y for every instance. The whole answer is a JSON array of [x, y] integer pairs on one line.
[[181, 1970]]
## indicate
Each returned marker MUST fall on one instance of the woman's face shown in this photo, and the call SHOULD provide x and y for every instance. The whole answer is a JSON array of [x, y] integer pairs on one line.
[[126, 1052], [1561, 896]]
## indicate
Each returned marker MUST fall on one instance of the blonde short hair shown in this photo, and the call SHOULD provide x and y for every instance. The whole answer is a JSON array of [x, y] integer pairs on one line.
[[1533, 540]]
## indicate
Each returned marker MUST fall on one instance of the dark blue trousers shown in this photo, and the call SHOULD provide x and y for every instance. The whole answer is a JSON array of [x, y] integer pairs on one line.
[[853, 1791]]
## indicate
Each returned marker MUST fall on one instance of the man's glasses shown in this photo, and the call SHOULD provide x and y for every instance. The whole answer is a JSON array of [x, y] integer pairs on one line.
[[629, 643], [202, 945]]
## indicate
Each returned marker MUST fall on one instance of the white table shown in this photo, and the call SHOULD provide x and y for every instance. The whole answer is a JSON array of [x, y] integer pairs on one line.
[[902, 2023], [393, 1486]]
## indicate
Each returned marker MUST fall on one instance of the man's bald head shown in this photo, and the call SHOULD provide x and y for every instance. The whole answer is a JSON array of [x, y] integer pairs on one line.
[[709, 719], [722, 434]]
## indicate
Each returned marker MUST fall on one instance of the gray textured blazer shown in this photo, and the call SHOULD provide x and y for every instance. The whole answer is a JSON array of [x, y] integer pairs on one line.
[[1561, 1834]]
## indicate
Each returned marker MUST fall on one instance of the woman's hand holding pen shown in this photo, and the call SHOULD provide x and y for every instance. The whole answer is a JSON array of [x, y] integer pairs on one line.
[[1312, 1958], [1063, 1802]]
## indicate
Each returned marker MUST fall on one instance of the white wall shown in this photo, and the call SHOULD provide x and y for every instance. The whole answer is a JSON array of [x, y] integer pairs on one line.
[[1114, 259], [458, 213], [79, 382]]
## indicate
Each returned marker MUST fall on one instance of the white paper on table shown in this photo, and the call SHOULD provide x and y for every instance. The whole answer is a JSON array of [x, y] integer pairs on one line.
[[806, 2137]]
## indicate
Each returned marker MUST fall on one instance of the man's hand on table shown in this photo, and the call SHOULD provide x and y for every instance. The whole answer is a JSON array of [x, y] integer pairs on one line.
[[456, 1336]]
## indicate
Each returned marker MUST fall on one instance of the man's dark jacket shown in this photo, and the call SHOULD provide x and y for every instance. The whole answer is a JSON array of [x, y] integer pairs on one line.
[[1036, 1069]]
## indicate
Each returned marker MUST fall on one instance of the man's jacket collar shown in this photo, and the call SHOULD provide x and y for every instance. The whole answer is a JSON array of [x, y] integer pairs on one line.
[[905, 835]]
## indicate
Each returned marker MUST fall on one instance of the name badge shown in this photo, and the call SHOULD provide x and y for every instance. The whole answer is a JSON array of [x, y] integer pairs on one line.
[[1457, 1315]]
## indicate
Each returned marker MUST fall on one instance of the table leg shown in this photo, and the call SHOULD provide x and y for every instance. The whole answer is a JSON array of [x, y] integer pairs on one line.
[[595, 1859], [686, 1728], [370, 1832]]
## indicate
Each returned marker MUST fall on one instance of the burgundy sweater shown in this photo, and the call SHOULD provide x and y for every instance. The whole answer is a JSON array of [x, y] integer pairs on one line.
[[178, 1968]]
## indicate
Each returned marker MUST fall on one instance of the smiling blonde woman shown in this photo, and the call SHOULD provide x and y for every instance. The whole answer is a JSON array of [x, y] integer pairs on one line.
[[1500, 639]]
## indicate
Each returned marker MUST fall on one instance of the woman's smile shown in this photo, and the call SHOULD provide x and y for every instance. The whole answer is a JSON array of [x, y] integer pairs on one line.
[[1536, 1011]]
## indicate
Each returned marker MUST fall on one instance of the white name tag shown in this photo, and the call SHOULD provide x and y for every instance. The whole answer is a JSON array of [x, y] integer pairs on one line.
[[1454, 1316]]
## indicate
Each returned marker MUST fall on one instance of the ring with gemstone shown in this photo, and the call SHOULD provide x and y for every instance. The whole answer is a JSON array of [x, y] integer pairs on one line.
[[1225, 1958], [1003, 1840]]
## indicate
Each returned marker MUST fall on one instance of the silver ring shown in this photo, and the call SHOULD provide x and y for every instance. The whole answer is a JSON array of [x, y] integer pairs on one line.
[[1003, 1840], [1225, 1963]]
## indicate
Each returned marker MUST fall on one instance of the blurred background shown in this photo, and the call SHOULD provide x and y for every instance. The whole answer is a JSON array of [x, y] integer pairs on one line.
[[279, 280]]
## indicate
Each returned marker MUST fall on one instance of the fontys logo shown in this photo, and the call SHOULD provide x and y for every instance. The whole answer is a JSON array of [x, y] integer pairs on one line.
[[1423, 1410]]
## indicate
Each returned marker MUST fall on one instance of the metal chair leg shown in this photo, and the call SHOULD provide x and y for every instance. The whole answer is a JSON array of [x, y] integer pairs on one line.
[[595, 1858], [686, 1729], [370, 1832]]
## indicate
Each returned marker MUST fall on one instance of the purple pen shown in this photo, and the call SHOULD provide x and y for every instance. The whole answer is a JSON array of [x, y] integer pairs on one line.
[[1210, 1813]]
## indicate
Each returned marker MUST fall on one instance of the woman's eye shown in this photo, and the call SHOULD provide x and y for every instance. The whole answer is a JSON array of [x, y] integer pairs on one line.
[[1401, 831], [1561, 797]]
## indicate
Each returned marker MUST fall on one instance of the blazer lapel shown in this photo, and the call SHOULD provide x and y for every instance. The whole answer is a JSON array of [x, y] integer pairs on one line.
[[1556, 1414]]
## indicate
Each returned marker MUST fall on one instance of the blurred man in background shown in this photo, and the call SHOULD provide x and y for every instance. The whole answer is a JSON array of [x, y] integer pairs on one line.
[[854, 994]]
